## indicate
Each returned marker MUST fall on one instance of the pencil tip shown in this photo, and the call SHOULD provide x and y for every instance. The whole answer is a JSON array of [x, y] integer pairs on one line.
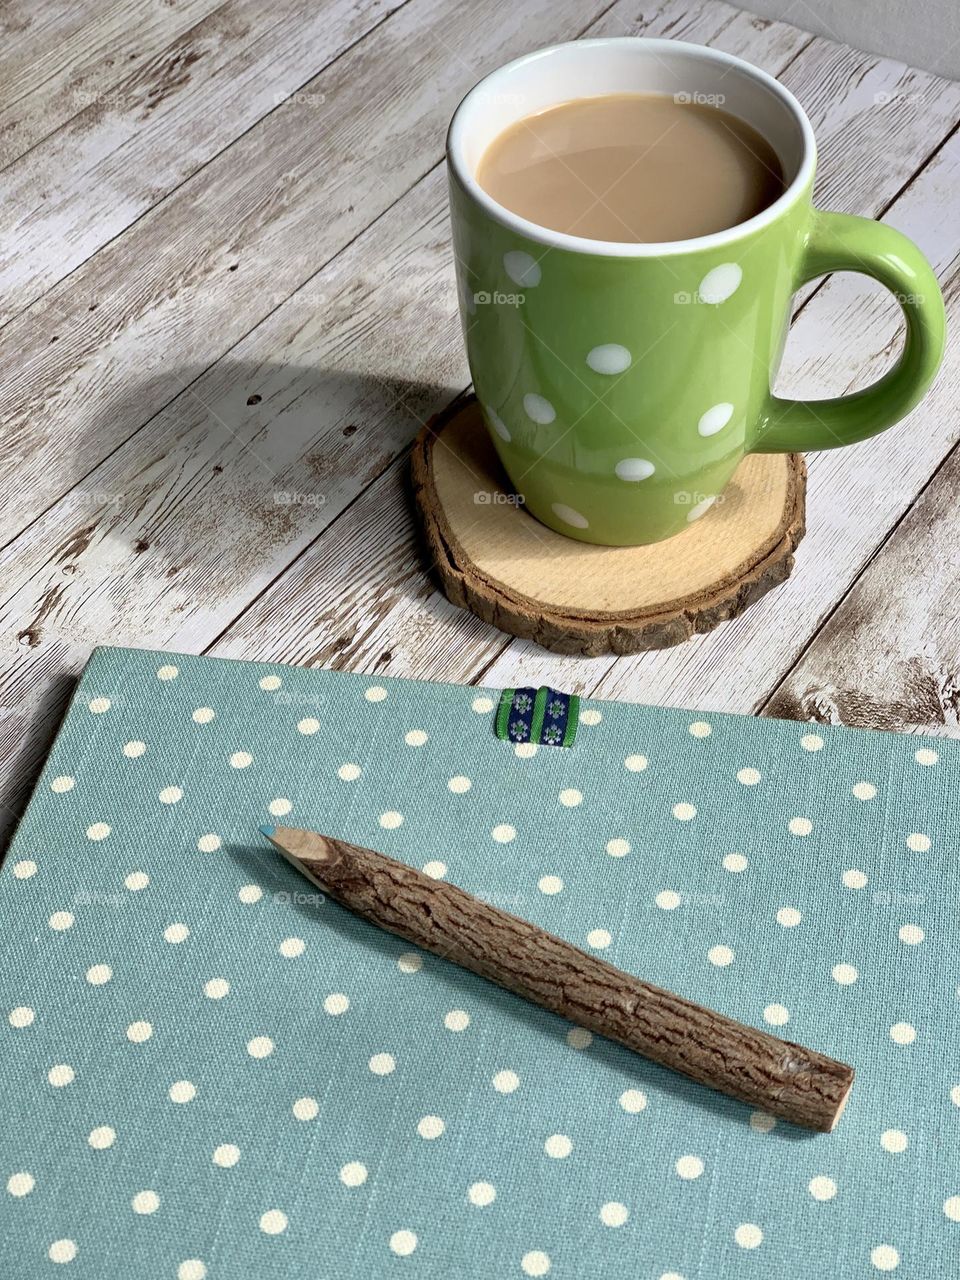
[[268, 832]]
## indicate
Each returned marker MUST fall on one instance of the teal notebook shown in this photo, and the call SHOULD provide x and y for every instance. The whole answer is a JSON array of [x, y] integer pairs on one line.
[[209, 1072]]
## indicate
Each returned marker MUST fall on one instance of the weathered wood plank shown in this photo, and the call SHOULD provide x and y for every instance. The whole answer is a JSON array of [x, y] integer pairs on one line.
[[889, 658], [120, 155], [76, 57], [190, 278]]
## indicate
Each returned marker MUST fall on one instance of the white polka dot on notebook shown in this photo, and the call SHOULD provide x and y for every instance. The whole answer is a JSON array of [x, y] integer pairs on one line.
[[618, 847], [182, 1091], [459, 785], [21, 1017], [918, 842], [911, 934], [60, 786], [845, 974], [506, 1081], [811, 742], [591, 716], [391, 820], [270, 683], [700, 729], [61, 1075], [403, 1243], [176, 933], [951, 1207], [353, 1174], [482, 704], [99, 705], [376, 693], [410, 962], [885, 1257], [192, 1269], [216, 988], [273, 1222], [260, 1047], [430, 1127], [98, 831], [102, 1137], [720, 956], [306, 1109], [60, 921], [349, 772], [854, 878], [903, 1033], [241, 760], [762, 1121], [684, 812], [416, 738], [481, 1194], [435, 870], [203, 715], [24, 868], [579, 1038], [382, 1064], [308, 726], [280, 807], [789, 917], [134, 749], [614, 1214], [167, 672], [926, 756], [822, 1187], [249, 894], [456, 1020], [894, 1140], [800, 826], [550, 885], [98, 974], [748, 1235], [689, 1168], [145, 1202], [558, 1146], [292, 947], [170, 795], [633, 1101], [735, 862], [864, 791], [598, 939], [535, 1263], [749, 777], [209, 843], [570, 797], [776, 1015], [635, 763], [138, 1032], [503, 833], [62, 1251], [336, 1003]]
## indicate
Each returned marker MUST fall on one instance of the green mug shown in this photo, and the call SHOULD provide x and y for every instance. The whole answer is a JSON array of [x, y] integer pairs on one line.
[[622, 384]]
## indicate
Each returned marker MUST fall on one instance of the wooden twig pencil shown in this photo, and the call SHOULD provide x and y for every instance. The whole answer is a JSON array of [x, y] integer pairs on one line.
[[790, 1081]]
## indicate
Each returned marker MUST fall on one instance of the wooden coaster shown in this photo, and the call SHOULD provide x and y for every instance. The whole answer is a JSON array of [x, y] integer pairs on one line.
[[572, 597]]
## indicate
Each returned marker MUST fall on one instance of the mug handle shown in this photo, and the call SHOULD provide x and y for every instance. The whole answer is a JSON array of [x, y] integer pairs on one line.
[[841, 242]]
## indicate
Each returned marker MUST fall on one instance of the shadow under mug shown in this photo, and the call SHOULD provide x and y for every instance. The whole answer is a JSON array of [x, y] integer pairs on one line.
[[622, 384]]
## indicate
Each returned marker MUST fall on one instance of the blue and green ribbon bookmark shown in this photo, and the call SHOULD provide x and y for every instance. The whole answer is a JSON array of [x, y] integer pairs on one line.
[[545, 717]]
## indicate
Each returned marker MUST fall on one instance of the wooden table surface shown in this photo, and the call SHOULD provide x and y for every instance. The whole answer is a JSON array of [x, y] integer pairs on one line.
[[227, 306]]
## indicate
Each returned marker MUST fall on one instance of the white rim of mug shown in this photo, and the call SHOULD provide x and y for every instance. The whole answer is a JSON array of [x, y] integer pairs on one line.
[[629, 249]]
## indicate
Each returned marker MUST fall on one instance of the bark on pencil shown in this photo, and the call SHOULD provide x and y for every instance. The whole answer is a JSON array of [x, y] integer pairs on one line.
[[788, 1080]]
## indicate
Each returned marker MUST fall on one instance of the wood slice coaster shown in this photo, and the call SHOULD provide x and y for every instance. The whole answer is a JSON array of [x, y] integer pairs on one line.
[[572, 597]]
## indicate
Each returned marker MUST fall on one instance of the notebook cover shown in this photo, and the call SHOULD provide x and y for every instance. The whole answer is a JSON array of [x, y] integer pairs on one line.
[[208, 1072]]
